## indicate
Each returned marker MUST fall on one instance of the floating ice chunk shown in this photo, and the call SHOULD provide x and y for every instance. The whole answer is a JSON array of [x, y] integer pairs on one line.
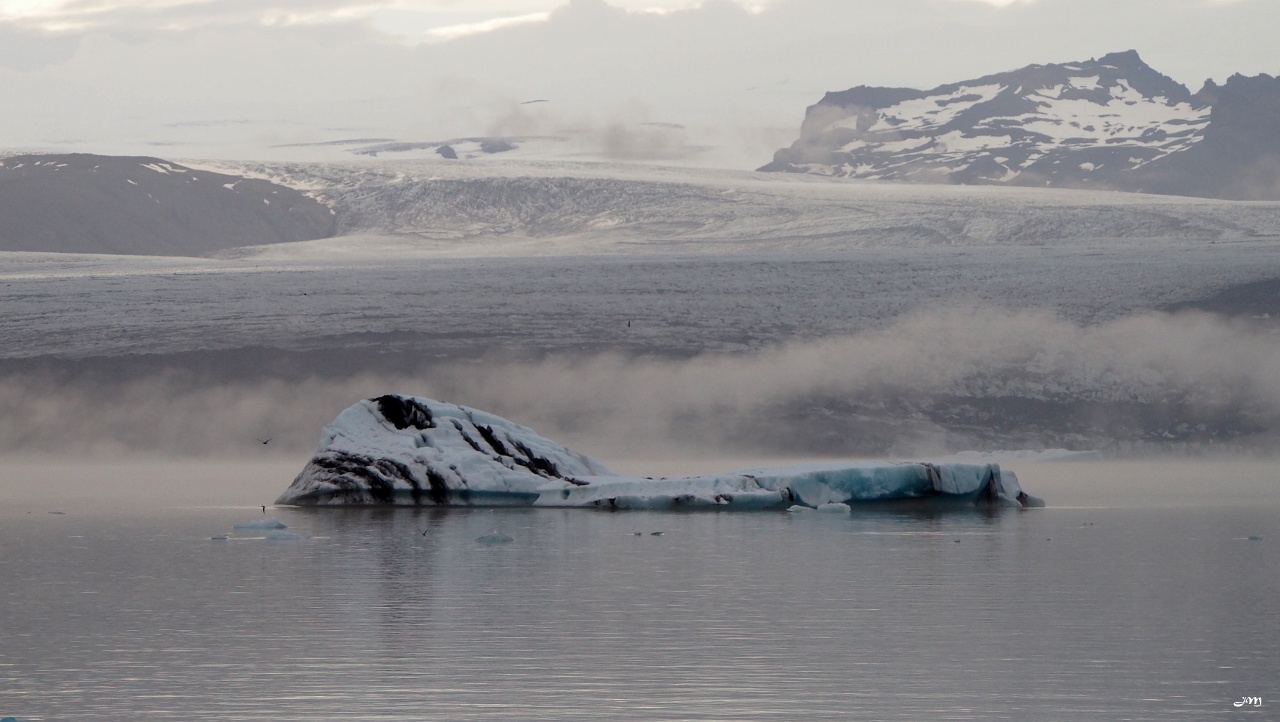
[[1255, 537], [835, 507], [405, 450], [494, 537], [797, 507], [218, 537], [268, 523]]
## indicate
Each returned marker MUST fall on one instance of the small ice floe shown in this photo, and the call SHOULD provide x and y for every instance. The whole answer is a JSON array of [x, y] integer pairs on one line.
[[58, 513], [1255, 537], [798, 507], [278, 535], [218, 537], [268, 523], [656, 533], [494, 537], [835, 507]]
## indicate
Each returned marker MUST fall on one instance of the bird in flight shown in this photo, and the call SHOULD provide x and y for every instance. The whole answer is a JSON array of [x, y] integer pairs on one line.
[[539, 100], [264, 442]]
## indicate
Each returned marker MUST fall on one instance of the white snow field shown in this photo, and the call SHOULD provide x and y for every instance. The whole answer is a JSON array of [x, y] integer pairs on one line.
[[405, 450]]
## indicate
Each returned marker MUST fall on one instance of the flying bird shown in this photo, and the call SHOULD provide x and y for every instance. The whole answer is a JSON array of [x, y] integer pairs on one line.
[[538, 100], [264, 442]]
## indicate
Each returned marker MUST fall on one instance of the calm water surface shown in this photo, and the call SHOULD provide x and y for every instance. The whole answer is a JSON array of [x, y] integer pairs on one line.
[[135, 613]]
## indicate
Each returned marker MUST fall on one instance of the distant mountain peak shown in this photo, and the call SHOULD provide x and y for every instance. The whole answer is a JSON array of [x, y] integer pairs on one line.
[[1110, 122], [1123, 58]]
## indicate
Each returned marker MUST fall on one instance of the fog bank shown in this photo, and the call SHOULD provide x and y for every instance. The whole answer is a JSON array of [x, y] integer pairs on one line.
[[933, 382]]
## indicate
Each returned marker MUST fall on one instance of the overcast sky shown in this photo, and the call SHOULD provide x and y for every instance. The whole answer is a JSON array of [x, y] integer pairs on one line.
[[232, 78]]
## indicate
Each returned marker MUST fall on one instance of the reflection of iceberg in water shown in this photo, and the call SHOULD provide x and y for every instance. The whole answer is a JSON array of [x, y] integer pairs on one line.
[[413, 451]]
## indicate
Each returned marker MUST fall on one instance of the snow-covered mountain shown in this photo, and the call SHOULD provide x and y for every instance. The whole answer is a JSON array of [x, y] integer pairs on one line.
[[1108, 123]]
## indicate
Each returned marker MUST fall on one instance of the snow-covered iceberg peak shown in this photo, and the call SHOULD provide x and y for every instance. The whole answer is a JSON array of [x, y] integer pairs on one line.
[[408, 450], [411, 450]]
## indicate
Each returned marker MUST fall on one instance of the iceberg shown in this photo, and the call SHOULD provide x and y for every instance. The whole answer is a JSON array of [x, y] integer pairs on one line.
[[414, 451], [494, 538], [267, 523]]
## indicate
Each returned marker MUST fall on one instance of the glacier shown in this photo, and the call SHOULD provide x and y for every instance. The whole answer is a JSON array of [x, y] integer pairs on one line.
[[414, 451]]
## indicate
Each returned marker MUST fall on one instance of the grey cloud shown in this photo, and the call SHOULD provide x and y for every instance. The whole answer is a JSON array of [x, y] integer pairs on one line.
[[719, 70], [88, 15], [26, 50], [629, 135]]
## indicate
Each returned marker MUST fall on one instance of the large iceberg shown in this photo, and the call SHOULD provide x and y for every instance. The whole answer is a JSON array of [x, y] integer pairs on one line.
[[407, 450]]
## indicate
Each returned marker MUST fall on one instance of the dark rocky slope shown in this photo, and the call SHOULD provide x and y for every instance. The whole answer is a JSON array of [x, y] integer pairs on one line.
[[81, 203]]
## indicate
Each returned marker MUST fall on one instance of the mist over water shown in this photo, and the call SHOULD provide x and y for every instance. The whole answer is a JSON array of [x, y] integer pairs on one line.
[[933, 382]]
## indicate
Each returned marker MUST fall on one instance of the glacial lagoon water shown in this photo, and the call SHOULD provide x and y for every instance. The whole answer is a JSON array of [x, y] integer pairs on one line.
[[1098, 607]]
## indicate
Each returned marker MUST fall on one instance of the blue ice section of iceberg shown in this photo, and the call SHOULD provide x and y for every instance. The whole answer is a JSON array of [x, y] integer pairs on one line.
[[817, 484], [265, 523], [405, 450]]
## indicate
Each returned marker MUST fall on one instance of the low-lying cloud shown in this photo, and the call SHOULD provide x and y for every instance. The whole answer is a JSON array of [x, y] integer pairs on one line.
[[933, 382], [630, 132]]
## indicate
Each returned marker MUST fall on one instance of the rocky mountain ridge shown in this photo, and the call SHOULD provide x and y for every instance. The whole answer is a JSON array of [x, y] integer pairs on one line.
[[1110, 123]]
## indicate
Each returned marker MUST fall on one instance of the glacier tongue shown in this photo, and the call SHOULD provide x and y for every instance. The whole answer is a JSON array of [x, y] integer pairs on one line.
[[406, 450]]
